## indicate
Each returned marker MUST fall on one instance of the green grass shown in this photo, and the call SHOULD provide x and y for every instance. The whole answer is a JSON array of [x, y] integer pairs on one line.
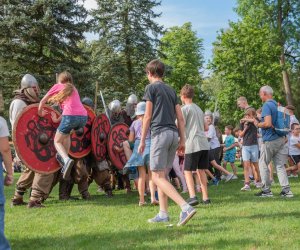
[[235, 220]]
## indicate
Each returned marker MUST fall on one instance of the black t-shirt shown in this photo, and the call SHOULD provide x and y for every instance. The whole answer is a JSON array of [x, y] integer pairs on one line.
[[164, 100], [250, 136]]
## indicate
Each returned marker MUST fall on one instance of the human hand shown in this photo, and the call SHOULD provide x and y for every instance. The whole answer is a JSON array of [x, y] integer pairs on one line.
[[42, 112], [181, 148], [224, 149], [8, 180], [141, 148]]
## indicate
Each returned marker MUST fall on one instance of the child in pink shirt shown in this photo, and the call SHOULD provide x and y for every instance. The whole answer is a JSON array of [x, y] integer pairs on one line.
[[74, 116]]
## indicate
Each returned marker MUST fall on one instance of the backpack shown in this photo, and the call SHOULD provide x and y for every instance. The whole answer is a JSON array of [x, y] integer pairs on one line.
[[282, 121]]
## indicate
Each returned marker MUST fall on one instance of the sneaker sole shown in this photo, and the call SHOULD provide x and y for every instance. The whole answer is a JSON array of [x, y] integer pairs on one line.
[[266, 196], [287, 196], [67, 172], [187, 218]]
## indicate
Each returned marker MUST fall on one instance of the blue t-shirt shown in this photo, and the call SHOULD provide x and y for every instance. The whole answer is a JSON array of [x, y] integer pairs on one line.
[[229, 140], [269, 109]]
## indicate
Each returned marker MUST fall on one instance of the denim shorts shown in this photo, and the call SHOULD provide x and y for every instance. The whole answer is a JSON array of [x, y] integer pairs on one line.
[[250, 153], [70, 122]]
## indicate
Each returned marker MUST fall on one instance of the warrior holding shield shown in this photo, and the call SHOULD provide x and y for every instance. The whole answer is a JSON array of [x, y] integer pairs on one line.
[[39, 182]]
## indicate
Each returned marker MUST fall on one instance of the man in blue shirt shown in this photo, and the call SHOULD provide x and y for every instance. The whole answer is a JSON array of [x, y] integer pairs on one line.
[[274, 147]]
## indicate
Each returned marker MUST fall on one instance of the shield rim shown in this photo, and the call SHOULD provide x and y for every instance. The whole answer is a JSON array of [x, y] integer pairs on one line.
[[89, 151], [102, 114], [16, 147], [109, 154]]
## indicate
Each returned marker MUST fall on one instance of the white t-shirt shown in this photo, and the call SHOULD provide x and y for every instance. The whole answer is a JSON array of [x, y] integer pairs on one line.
[[16, 107], [212, 135], [4, 132], [293, 149], [194, 129]]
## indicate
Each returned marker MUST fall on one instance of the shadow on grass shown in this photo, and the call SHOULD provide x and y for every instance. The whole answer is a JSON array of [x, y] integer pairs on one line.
[[159, 238]]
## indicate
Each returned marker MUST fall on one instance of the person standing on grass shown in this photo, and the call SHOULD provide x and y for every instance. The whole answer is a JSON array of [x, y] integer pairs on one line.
[[250, 149], [196, 146], [162, 109], [5, 155], [229, 149], [274, 147], [214, 153]]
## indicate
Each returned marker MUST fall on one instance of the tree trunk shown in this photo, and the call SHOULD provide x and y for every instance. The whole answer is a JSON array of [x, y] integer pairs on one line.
[[285, 75]]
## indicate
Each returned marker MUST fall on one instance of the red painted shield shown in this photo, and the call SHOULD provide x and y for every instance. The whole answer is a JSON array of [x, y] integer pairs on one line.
[[81, 138], [33, 138], [100, 131], [117, 135]]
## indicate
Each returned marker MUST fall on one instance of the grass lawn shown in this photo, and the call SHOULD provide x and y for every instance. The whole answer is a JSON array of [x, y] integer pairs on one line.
[[235, 220]]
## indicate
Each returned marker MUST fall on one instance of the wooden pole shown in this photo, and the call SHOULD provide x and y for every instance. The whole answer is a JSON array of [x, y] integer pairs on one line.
[[96, 96]]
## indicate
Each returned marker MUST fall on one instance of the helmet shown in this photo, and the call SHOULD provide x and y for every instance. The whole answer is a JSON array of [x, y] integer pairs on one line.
[[28, 81], [132, 99], [87, 101], [115, 107], [208, 113]]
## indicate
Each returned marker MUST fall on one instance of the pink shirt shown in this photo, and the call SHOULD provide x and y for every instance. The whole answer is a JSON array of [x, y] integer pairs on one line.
[[72, 105]]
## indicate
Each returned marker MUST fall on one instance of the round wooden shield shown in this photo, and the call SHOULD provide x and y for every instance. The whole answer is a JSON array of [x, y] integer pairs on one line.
[[100, 131], [117, 135], [81, 139], [33, 138]]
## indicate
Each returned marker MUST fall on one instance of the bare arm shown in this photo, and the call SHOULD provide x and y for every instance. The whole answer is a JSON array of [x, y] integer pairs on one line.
[[206, 127], [266, 124], [180, 122], [297, 145], [131, 136], [6, 155], [42, 104]]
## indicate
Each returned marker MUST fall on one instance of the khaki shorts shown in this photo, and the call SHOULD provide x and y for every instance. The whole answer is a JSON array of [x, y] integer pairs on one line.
[[163, 150]]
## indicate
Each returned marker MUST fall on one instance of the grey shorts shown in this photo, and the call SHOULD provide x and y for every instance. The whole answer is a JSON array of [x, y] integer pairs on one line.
[[163, 150]]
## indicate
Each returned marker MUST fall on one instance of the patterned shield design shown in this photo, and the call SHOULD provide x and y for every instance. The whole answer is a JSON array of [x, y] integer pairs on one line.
[[100, 131], [33, 138], [81, 138], [117, 135]]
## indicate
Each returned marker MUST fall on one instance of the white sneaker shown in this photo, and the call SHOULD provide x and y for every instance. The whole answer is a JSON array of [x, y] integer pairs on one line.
[[234, 177], [223, 177], [246, 188]]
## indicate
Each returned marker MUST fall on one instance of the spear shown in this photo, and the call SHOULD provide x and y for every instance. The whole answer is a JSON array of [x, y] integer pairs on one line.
[[105, 108]]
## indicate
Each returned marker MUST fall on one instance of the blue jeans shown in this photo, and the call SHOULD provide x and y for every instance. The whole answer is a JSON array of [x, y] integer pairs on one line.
[[4, 245], [69, 122]]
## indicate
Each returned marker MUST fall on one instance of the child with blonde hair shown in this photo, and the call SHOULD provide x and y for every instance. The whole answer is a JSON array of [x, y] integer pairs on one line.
[[74, 116]]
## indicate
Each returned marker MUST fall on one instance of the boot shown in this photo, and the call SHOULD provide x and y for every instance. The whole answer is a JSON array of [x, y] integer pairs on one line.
[[86, 195], [35, 204], [109, 193], [18, 201]]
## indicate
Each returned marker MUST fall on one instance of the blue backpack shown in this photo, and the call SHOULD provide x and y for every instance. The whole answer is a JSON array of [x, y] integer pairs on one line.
[[282, 121]]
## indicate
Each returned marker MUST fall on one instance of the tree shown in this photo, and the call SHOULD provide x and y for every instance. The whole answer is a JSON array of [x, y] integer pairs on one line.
[[183, 54], [42, 38], [244, 59], [128, 37], [283, 18]]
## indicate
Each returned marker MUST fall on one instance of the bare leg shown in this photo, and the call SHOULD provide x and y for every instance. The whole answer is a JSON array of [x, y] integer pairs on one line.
[[209, 174], [190, 183], [256, 171], [152, 187], [62, 144], [246, 172], [165, 190], [233, 168], [141, 183], [203, 181], [127, 150], [220, 168]]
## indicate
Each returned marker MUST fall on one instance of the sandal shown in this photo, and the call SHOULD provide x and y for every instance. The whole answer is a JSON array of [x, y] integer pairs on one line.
[[155, 203], [141, 204]]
